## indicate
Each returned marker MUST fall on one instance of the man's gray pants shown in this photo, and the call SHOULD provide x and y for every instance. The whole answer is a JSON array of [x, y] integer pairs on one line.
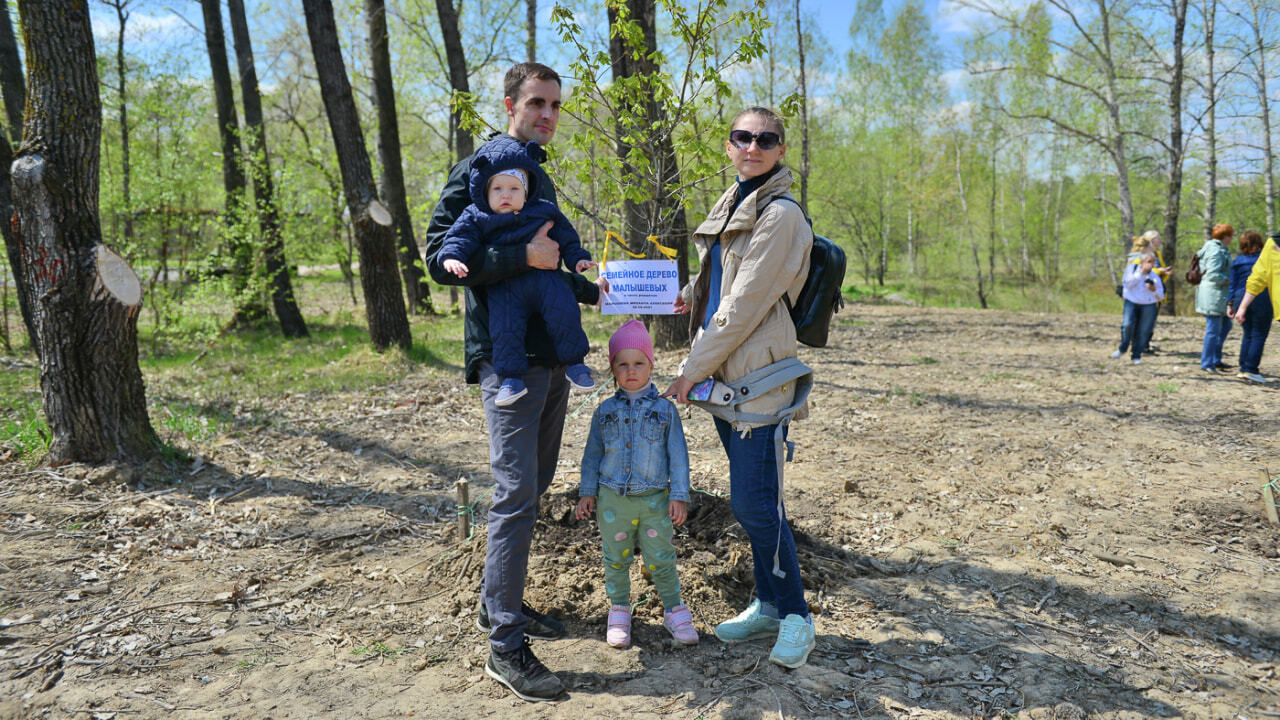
[[524, 446]]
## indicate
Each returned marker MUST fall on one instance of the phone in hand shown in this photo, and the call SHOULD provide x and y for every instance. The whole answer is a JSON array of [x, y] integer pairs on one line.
[[702, 391]]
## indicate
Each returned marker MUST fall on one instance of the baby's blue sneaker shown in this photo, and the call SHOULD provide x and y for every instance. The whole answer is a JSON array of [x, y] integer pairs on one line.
[[795, 640], [580, 377], [749, 624], [511, 390]]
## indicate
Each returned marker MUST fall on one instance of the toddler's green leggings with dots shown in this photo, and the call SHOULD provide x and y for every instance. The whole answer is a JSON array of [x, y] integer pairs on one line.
[[628, 520]]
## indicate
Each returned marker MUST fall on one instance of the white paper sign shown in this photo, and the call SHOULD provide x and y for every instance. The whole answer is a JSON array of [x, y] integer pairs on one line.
[[640, 287]]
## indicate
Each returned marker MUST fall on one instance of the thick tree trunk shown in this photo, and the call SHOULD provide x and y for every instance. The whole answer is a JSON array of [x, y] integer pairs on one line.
[[375, 236], [86, 299], [463, 144], [282, 299], [663, 214], [248, 309], [412, 270], [15, 97], [1173, 193]]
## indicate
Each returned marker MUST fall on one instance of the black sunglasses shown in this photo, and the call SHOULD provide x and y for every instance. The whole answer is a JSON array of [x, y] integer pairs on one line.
[[765, 140]]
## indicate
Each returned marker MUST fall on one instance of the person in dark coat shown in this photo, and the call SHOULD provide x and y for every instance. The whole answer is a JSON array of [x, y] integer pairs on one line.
[[1256, 322], [503, 175]]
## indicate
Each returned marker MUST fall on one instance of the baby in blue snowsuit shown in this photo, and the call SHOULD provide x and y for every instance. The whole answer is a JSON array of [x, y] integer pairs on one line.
[[503, 176]]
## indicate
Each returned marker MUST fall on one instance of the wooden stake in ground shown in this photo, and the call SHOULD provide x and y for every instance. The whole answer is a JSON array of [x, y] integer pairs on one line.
[[1269, 498], [464, 510]]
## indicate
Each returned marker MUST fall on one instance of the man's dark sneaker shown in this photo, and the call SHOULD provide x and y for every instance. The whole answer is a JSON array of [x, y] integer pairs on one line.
[[543, 627], [1224, 366], [523, 674]]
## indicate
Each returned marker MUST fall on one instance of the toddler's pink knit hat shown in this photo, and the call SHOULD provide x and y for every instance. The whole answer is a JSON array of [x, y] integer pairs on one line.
[[631, 336]]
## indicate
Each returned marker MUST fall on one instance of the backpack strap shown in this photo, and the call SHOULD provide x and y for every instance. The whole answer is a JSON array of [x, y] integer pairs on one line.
[[786, 196]]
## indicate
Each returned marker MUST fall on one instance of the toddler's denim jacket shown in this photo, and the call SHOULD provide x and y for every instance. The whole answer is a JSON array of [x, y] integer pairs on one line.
[[636, 446]]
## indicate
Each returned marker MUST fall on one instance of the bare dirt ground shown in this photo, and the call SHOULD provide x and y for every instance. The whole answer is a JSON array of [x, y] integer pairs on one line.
[[995, 520]]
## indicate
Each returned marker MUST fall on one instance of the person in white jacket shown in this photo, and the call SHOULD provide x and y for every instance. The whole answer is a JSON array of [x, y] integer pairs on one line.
[[1143, 291]]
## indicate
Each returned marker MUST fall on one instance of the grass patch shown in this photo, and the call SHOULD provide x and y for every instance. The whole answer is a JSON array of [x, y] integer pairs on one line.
[[382, 650], [1167, 387], [24, 430], [923, 360]]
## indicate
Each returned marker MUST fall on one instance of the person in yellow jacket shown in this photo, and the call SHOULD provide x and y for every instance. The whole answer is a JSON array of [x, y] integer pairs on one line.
[[1265, 276]]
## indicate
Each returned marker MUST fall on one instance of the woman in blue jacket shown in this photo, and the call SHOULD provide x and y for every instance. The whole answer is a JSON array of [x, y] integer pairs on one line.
[[1257, 319]]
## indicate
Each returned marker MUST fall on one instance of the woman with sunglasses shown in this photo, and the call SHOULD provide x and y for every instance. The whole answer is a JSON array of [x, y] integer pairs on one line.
[[753, 250]]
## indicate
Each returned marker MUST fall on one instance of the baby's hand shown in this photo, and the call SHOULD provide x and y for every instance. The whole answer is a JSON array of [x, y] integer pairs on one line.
[[457, 267], [584, 265], [679, 512], [586, 507]]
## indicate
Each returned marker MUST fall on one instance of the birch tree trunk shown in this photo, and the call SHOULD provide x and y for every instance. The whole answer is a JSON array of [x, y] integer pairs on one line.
[[1211, 119], [86, 299], [1260, 50], [375, 236], [1175, 148], [264, 193], [412, 270]]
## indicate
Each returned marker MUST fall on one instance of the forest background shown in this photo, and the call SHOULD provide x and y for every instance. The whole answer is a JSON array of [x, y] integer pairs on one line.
[[965, 153]]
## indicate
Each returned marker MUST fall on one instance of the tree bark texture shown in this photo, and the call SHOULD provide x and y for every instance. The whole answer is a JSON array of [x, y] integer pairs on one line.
[[90, 383], [1175, 150], [379, 278], [242, 253], [412, 269], [447, 12], [282, 299], [663, 214]]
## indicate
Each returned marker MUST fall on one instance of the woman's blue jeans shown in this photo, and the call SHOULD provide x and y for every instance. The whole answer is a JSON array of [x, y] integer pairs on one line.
[[1126, 326], [1216, 328], [1143, 325], [753, 495], [1257, 324]]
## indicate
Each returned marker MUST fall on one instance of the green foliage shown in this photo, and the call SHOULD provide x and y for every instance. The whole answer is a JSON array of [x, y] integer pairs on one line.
[[24, 432]]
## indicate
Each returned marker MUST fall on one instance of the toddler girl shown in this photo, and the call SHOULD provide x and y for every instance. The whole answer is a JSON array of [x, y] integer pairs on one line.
[[637, 463]]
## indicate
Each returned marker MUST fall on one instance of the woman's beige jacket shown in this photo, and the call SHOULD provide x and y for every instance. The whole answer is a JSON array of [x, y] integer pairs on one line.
[[763, 255]]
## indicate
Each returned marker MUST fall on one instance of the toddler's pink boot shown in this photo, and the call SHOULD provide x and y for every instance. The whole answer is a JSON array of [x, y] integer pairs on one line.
[[619, 633]]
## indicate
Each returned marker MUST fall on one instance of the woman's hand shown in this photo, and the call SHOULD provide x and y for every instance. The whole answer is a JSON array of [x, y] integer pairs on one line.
[[679, 389], [586, 507], [584, 265], [1244, 307], [679, 512], [680, 306]]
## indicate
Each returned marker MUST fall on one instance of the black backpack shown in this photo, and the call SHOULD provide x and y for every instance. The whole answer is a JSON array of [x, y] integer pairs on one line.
[[820, 297]]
